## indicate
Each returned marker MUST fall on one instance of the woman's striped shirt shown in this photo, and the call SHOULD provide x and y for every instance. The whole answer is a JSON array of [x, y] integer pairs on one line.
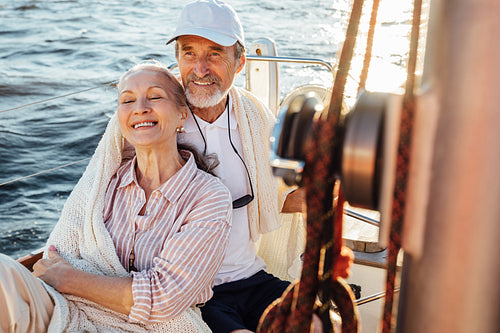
[[179, 242]]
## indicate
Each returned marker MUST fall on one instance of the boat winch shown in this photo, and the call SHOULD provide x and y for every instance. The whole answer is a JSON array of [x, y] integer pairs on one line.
[[359, 154]]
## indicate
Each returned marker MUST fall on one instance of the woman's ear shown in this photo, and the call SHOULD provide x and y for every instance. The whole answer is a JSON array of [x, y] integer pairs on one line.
[[183, 115]]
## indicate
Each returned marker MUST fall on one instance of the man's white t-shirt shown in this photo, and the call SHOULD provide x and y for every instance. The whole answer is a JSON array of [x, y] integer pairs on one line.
[[241, 260]]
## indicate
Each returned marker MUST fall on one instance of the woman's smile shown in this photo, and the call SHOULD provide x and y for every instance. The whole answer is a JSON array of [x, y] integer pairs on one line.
[[144, 124]]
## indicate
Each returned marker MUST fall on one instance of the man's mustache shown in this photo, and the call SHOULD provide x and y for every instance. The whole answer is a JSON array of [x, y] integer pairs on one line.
[[207, 78]]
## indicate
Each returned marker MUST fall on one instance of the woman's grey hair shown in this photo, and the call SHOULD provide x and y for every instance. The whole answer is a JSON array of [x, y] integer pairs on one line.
[[206, 163]]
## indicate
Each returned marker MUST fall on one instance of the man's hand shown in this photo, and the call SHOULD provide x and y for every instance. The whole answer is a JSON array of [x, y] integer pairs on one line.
[[53, 270]]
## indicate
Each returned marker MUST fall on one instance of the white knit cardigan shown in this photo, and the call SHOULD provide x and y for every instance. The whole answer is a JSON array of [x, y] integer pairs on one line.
[[280, 237], [83, 240], [255, 123]]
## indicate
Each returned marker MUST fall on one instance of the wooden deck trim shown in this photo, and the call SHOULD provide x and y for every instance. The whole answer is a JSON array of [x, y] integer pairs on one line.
[[30, 259]]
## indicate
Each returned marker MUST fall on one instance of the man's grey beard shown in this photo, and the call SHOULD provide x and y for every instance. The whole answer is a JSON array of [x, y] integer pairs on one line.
[[203, 100]]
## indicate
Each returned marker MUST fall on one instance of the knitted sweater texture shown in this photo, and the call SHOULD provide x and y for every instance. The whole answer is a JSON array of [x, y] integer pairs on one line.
[[83, 240]]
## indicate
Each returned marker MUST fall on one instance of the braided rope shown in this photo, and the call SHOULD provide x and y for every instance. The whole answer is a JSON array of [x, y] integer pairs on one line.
[[293, 311], [403, 159], [369, 46]]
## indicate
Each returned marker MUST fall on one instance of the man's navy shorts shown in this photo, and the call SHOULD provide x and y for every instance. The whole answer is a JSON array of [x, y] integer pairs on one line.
[[239, 304]]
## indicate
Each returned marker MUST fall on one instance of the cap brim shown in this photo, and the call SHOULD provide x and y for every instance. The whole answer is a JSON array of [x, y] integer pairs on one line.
[[171, 40], [215, 37]]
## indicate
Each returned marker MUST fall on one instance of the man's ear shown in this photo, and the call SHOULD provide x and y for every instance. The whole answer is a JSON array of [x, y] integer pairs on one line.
[[241, 64]]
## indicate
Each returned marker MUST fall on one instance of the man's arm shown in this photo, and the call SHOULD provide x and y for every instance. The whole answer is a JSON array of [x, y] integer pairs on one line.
[[295, 202]]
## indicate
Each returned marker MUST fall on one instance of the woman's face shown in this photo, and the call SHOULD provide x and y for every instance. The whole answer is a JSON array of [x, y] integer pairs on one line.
[[147, 112]]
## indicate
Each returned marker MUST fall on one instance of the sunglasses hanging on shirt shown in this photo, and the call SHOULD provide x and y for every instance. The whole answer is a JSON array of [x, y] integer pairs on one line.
[[246, 199]]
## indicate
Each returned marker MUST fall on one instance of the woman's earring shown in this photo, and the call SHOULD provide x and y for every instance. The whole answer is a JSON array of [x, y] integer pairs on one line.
[[180, 129]]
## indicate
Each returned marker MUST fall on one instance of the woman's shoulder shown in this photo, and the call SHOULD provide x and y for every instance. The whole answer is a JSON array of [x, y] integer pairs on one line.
[[210, 196], [209, 182], [203, 184]]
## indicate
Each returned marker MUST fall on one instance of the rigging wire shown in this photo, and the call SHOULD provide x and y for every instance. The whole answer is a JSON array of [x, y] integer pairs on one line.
[[110, 83], [44, 171]]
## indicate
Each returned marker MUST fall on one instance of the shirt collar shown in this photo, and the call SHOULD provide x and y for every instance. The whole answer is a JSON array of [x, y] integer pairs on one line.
[[128, 174], [173, 188], [221, 122]]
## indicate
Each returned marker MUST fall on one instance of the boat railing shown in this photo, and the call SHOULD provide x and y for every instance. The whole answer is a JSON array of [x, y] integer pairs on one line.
[[274, 97], [297, 60], [361, 217]]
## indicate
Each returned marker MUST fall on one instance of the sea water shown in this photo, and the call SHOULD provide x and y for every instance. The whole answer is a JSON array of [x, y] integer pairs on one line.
[[52, 48]]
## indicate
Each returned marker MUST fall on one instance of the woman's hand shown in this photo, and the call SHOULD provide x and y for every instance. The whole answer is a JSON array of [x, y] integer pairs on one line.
[[112, 292], [53, 270]]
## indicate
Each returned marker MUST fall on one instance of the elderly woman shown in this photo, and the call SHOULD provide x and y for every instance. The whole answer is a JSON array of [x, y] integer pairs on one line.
[[139, 242]]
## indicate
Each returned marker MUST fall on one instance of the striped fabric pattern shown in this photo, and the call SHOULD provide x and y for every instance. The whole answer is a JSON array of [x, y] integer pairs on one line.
[[179, 242]]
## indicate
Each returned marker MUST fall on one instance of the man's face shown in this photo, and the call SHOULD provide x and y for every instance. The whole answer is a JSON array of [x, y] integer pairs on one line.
[[207, 69]]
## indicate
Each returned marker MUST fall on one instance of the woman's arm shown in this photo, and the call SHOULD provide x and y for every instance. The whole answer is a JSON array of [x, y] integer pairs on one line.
[[180, 276], [114, 293], [183, 273]]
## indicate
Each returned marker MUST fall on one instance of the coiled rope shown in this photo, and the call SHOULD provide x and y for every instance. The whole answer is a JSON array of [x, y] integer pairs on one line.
[[293, 311]]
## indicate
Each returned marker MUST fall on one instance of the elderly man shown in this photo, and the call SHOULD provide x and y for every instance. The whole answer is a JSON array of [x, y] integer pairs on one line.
[[231, 123]]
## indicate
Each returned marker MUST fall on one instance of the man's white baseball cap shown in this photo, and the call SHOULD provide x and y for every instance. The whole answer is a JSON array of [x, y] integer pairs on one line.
[[210, 19]]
